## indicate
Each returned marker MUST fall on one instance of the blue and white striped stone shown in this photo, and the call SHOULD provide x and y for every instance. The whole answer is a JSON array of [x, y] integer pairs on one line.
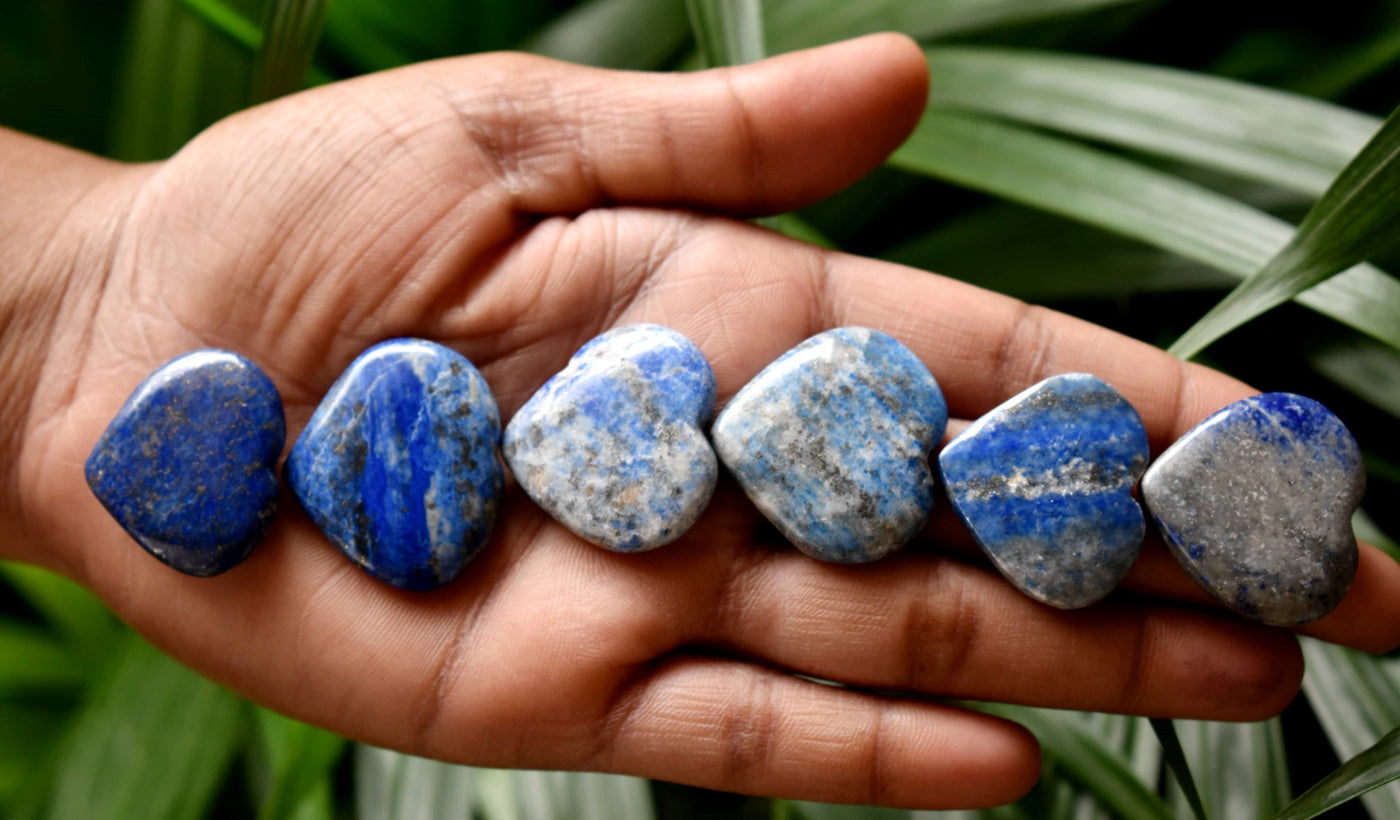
[[1044, 482]]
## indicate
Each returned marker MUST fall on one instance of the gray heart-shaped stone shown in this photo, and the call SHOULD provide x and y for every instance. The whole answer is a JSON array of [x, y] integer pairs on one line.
[[1256, 502]]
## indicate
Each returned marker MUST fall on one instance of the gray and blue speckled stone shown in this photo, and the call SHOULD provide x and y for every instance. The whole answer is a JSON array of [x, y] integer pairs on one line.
[[831, 443], [612, 445], [1044, 483], [1256, 503]]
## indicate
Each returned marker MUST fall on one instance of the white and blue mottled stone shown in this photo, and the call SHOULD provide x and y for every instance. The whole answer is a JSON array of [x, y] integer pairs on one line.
[[613, 447], [1044, 483], [831, 443], [187, 467], [398, 464], [1255, 503]]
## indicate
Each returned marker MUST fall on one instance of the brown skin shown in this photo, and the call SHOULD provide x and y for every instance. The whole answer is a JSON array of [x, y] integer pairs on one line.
[[512, 207]]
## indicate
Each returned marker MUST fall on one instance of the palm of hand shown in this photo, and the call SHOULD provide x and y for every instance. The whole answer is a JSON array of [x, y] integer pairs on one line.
[[503, 206]]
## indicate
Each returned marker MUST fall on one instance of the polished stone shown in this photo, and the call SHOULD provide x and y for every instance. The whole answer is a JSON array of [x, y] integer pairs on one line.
[[187, 467], [613, 447], [831, 443], [398, 464], [1044, 483], [1255, 503]]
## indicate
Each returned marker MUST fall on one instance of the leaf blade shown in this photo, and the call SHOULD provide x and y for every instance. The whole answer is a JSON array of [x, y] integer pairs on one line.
[[1357, 218], [1257, 133], [1133, 200]]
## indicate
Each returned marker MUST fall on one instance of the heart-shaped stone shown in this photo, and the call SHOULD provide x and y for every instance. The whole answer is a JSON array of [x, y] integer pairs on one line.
[[1256, 502], [187, 467], [398, 464], [1044, 483], [612, 445], [831, 443]]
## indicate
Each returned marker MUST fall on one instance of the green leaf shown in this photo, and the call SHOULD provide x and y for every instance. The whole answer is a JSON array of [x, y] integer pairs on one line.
[[796, 227], [291, 30], [1133, 200], [631, 34], [1270, 136], [1371, 769], [730, 32], [1357, 218], [794, 24], [1101, 771], [169, 733], [226, 21], [1356, 698], [33, 662], [394, 786], [72, 611], [1367, 370], [530, 795], [1240, 769], [301, 760], [1052, 258], [1176, 761], [177, 76]]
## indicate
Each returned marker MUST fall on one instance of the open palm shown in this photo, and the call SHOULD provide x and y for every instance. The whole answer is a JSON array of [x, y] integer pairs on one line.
[[512, 208]]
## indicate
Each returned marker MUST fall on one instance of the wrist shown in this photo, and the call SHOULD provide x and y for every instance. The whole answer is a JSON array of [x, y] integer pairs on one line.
[[60, 217]]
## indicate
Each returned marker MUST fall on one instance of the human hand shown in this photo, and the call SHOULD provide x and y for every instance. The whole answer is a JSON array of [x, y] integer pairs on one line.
[[512, 208]]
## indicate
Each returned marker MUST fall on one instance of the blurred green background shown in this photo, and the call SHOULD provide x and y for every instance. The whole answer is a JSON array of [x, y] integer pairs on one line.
[[1127, 161]]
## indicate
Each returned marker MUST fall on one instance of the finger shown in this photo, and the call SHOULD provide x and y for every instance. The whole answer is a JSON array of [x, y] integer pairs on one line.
[[738, 727], [763, 137], [933, 625]]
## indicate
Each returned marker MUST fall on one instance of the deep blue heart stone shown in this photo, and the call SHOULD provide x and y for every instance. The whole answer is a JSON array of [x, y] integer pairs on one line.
[[398, 464], [187, 467], [831, 443], [1255, 503], [612, 445], [1044, 483]]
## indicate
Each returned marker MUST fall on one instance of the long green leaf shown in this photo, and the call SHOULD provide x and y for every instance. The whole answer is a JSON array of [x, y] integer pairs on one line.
[[1371, 769], [633, 34], [291, 30], [1270, 136], [177, 76], [1176, 761], [1101, 771], [1356, 698], [226, 21], [1131, 199], [153, 741], [76, 614], [730, 32], [1052, 258], [797, 24], [1367, 370], [300, 759], [34, 662], [394, 786], [1357, 218], [1240, 768]]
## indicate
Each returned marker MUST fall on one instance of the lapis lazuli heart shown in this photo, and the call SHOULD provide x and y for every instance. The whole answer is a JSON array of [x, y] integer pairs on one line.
[[612, 446], [1255, 503], [398, 464], [1044, 483], [187, 467], [831, 443]]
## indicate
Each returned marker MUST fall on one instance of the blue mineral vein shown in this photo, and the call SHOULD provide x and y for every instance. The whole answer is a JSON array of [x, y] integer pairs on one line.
[[397, 466], [1044, 484]]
